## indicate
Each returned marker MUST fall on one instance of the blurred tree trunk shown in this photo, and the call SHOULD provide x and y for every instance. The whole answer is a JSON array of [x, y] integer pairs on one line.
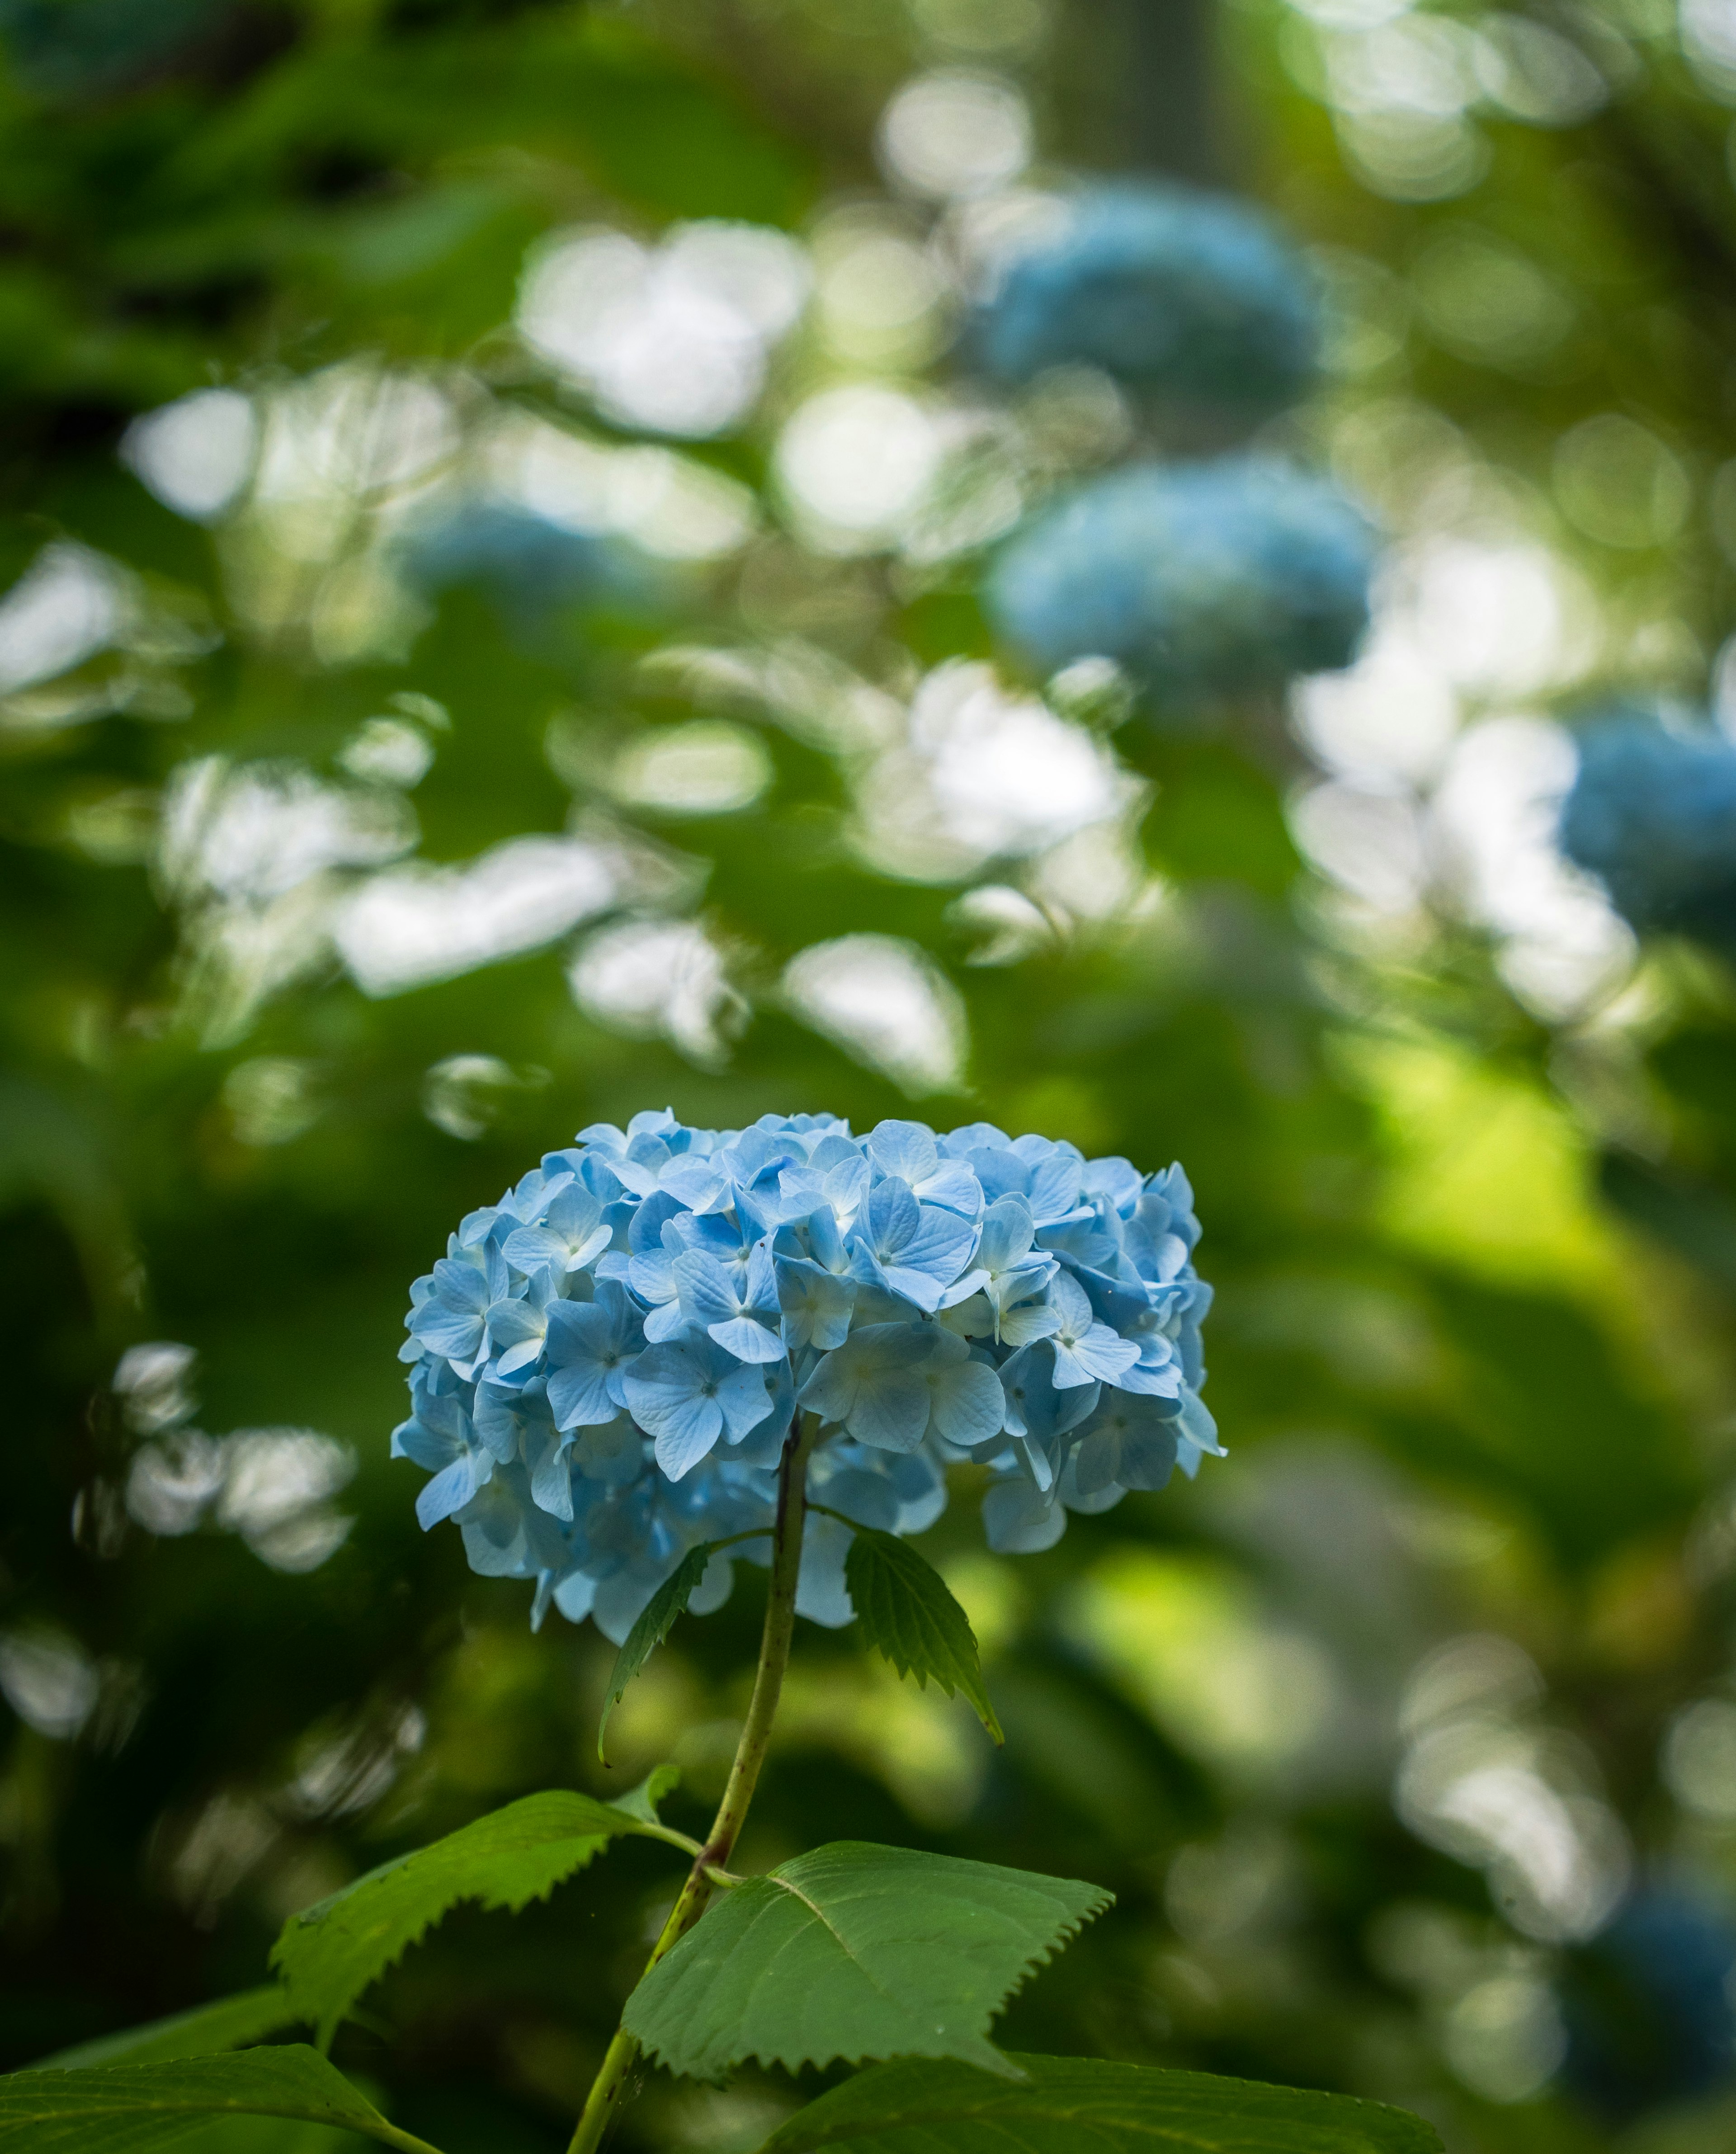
[[1134, 87]]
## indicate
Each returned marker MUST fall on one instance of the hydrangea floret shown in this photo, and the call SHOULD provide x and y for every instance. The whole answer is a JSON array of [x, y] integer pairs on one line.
[[1203, 580], [1652, 813], [1193, 295], [606, 1364]]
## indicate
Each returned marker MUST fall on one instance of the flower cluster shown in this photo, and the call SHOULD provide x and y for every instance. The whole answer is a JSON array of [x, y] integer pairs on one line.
[[1189, 294], [530, 567], [1652, 812], [1201, 580], [607, 1362]]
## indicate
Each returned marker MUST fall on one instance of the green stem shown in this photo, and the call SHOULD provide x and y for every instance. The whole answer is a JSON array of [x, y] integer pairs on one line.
[[610, 2088]]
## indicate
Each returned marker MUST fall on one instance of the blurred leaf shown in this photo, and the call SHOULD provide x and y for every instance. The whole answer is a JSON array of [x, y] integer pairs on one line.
[[1698, 1221], [135, 2106], [1068, 2103], [231, 2024], [855, 1950], [330, 1954], [908, 1614]]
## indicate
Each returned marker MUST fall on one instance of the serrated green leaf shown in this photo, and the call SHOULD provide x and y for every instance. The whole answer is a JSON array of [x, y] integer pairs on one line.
[[655, 1622], [232, 2022], [127, 2108], [1078, 2106], [908, 1612], [328, 1954], [855, 1950]]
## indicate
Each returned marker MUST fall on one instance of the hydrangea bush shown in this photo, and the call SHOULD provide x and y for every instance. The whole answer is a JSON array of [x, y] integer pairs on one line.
[[607, 1362], [1191, 295], [1201, 580], [1652, 813]]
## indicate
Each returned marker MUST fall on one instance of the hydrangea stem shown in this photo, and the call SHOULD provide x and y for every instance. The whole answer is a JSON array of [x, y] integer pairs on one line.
[[610, 2088]]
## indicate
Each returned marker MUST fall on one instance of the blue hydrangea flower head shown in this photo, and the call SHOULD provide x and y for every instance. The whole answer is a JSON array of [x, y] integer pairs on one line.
[[1204, 580], [606, 1364], [1652, 812], [1193, 295]]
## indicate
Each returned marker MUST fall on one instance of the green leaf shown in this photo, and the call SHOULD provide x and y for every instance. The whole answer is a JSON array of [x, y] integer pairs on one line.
[[1078, 2105], [230, 2023], [655, 1622], [127, 2107], [853, 1952], [906, 1611], [328, 1954]]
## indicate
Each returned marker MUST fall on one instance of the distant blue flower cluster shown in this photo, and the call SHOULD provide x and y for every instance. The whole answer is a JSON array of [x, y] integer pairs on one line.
[[1201, 580], [1653, 813], [1648, 2004], [73, 49], [530, 566], [607, 1362], [1190, 295]]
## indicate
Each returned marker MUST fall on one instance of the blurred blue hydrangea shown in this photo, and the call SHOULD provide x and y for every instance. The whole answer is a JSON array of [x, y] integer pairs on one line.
[[1204, 580], [73, 50], [530, 567], [606, 1363], [1652, 812], [1193, 295], [1648, 2004]]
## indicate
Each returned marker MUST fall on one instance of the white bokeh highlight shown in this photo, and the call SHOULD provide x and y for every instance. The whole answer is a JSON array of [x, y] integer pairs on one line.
[[674, 338]]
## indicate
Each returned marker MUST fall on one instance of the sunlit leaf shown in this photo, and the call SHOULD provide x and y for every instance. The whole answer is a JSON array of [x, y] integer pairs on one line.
[[907, 1611], [328, 1954], [855, 1950]]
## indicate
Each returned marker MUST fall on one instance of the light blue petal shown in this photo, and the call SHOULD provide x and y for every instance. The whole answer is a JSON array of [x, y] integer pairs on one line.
[[890, 1412], [967, 1402], [450, 1490], [1197, 1427], [452, 1332], [530, 1248], [512, 1323], [1018, 1521], [609, 1452], [1029, 1322], [574, 1595], [714, 1587], [942, 1244], [664, 1323], [551, 1480], [664, 1381], [745, 1401], [832, 1388], [1096, 1461], [689, 1431], [920, 1288], [747, 1340], [891, 1218], [820, 1592], [1148, 1456], [866, 1500], [907, 1150], [432, 1449], [579, 1396], [708, 1294], [462, 1286]]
